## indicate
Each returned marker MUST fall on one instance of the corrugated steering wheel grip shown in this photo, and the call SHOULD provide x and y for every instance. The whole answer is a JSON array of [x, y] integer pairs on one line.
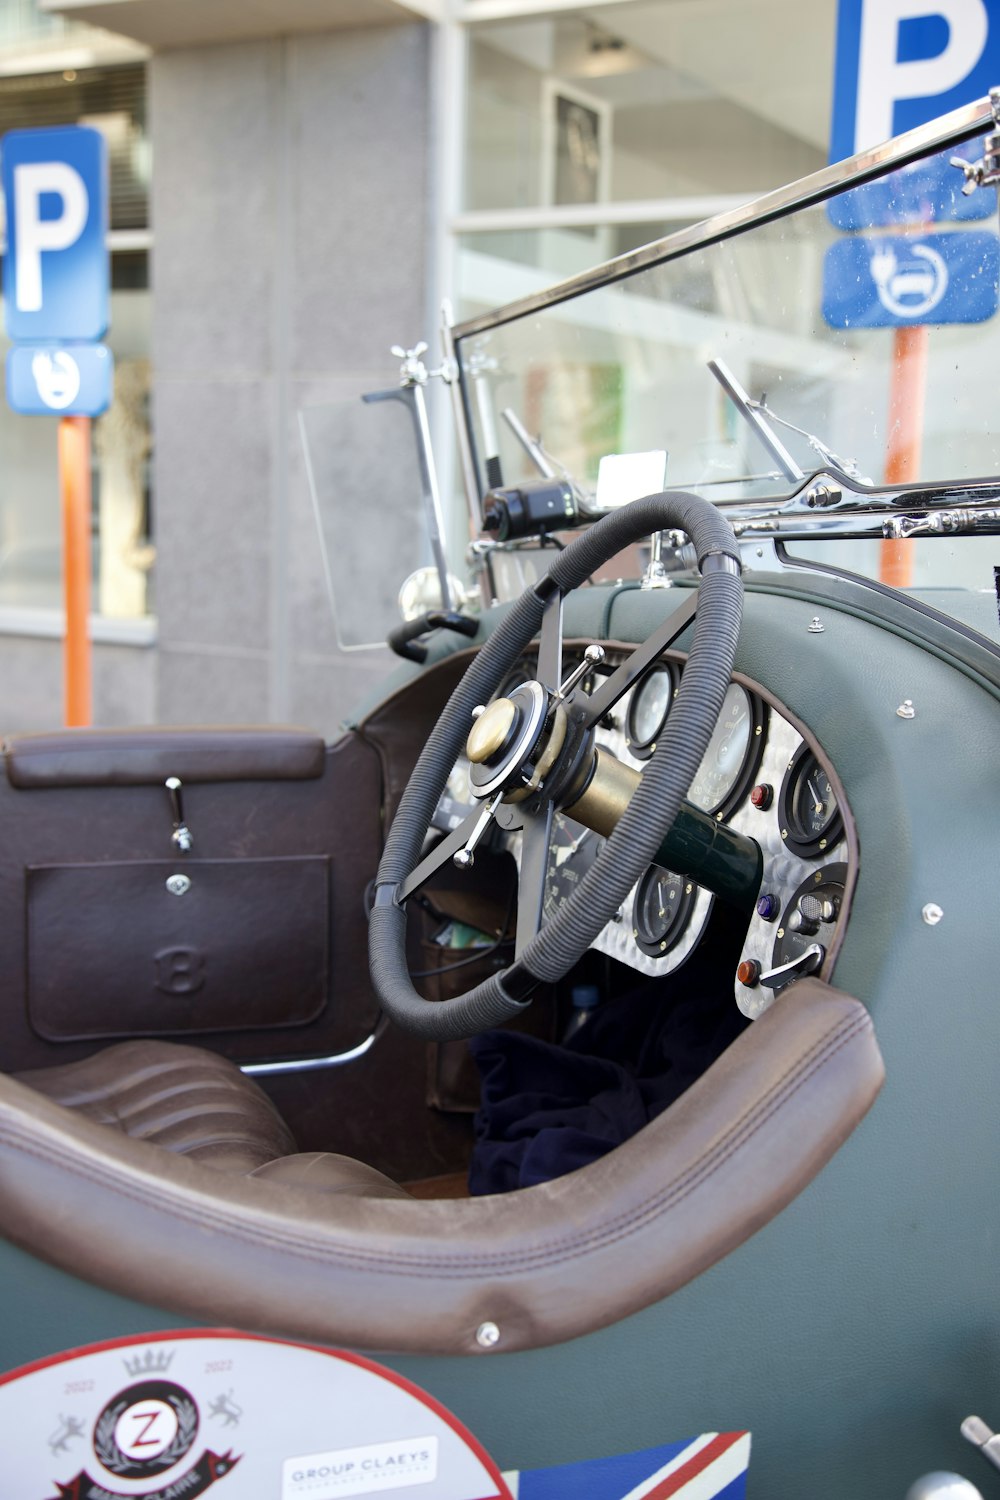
[[665, 780]]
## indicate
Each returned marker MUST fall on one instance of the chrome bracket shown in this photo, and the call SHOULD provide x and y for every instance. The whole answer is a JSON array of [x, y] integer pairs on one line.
[[986, 171], [182, 837]]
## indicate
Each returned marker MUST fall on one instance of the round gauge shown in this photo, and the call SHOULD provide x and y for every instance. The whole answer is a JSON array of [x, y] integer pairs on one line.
[[809, 918], [572, 851], [648, 709], [808, 814], [663, 905], [733, 755], [516, 677], [457, 799]]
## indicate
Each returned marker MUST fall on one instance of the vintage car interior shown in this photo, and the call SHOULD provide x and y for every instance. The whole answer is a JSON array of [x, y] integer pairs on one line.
[[601, 1030]]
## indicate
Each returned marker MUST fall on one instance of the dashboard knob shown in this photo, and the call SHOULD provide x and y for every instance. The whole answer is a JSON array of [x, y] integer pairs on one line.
[[817, 908]]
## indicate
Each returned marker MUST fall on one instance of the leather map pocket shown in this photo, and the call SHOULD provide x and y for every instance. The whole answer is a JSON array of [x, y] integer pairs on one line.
[[130, 949]]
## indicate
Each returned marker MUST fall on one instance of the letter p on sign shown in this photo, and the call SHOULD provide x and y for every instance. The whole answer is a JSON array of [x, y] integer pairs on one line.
[[901, 63], [55, 282]]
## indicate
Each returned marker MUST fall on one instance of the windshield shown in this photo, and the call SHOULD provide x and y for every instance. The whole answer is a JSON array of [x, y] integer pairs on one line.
[[853, 336]]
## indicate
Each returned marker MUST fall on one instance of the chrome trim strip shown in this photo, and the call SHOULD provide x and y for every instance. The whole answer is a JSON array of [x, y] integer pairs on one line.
[[314, 1064], [949, 130]]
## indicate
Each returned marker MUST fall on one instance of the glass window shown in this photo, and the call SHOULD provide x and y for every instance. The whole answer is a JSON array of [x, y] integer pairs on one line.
[[805, 343], [646, 101], [113, 101], [30, 526]]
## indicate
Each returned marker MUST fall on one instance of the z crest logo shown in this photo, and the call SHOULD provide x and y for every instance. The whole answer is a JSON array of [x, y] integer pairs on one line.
[[142, 1432]]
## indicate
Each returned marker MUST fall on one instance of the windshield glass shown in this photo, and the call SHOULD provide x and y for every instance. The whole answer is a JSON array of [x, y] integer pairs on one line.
[[852, 337]]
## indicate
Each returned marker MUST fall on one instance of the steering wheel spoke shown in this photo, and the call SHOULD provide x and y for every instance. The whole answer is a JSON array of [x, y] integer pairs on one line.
[[618, 683], [465, 836], [549, 671], [536, 837]]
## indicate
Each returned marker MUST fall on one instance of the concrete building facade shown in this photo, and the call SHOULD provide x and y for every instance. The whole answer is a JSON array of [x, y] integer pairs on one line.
[[324, 171]]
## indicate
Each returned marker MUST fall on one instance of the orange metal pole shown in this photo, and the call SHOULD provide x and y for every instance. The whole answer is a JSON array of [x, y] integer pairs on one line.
[[74, 486], [907, 397]]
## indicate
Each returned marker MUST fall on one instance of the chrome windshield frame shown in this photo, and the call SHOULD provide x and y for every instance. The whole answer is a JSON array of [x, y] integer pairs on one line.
[[950, 130]]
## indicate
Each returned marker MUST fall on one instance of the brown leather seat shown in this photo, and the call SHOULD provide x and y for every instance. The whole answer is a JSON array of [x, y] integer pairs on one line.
[[216, 1227], [200, 1105]]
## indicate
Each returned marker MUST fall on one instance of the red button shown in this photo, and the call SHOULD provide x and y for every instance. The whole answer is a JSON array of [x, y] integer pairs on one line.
[[762, 795], [748, 972]]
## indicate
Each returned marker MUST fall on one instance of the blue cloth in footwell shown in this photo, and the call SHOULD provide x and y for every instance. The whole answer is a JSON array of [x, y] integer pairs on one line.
[[548, 1109]]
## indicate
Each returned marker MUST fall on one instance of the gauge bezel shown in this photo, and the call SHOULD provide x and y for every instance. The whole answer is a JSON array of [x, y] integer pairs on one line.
[[642, 749], [752, 758], [793, 836], [660, 947]]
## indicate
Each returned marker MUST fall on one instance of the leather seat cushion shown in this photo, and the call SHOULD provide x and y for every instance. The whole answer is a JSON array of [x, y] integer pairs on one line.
[[326, 1172], [182, 1098]]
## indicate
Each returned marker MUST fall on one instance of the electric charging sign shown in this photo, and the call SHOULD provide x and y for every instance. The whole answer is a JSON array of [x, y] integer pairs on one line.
[[56, 270], [890, 281]]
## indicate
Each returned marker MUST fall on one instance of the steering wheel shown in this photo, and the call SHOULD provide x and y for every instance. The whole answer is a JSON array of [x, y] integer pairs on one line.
[[537, 754]]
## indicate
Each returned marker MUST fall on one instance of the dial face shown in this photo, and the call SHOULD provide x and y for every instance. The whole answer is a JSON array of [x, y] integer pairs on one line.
[[732, 755], [572, 851], [813, 803], [457, 799], [808, 813], [648, 709], [663, 905]]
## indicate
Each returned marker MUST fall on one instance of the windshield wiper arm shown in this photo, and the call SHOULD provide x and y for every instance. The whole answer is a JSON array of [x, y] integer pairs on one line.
[[750, 411]]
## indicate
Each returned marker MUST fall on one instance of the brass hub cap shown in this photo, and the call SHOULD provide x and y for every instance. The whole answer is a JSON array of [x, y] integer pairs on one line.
[[505, 738], [491, 731]]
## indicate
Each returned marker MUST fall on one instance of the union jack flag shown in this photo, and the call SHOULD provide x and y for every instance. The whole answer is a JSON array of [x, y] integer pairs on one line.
[[710, 1467]]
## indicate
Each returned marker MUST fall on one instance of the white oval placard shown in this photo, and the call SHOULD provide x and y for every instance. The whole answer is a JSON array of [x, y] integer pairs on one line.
[[172, 1416]]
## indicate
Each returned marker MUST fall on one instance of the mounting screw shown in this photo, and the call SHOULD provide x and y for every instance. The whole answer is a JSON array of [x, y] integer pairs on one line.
[[487, 1335], [906, 709], [178, 885], [932, 914], [815, 626]]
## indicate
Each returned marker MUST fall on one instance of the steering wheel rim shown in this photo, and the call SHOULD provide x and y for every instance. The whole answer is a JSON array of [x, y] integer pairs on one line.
[[562, 939]]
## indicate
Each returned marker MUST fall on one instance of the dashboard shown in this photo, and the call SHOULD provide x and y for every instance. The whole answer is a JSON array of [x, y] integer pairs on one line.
[[761, 775]]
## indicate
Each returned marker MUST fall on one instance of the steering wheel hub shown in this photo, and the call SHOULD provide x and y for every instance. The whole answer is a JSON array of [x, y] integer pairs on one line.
[[503, 740]]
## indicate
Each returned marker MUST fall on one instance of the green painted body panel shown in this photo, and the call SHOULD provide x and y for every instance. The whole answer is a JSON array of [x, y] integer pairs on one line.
[[854, 1332]]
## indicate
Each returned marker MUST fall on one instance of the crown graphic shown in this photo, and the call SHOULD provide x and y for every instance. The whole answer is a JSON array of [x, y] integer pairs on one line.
[[152, 1364]]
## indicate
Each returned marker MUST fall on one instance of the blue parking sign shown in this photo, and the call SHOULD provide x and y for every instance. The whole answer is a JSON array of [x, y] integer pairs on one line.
[[55, 272], [897, 280], [901, 63], [926, 191]]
